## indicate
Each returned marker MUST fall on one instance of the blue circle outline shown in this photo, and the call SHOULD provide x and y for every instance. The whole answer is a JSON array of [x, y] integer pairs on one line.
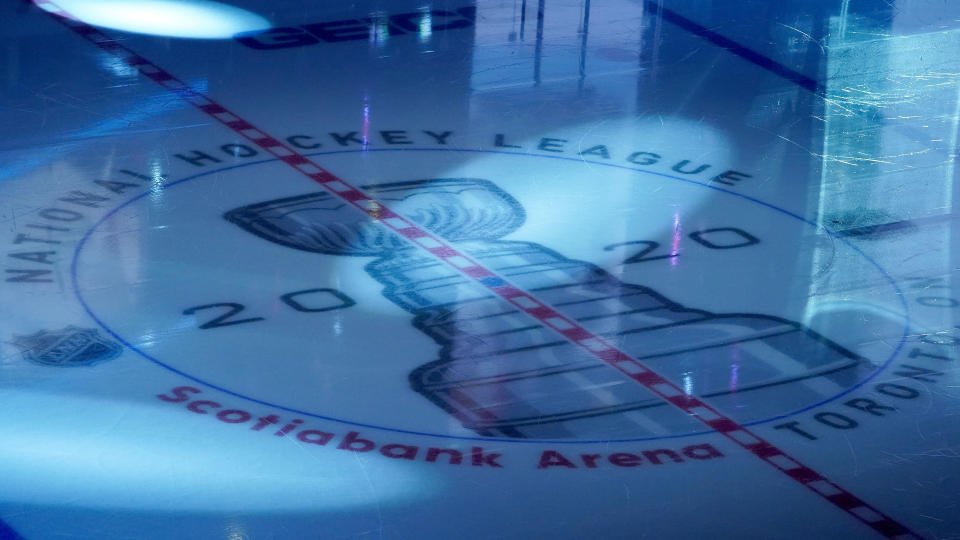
[[165, 185]]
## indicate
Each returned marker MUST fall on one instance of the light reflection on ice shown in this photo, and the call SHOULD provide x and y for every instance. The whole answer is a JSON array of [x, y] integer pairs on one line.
[[202, 19], [82, 450]]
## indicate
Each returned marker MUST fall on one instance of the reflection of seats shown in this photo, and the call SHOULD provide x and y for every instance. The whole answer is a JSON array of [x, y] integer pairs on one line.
[[501, 373]]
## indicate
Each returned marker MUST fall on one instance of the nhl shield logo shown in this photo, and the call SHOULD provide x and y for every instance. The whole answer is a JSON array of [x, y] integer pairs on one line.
[[70, 346]]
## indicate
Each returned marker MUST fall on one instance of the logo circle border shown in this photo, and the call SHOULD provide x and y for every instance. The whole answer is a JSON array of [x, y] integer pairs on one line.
[[80, 245]]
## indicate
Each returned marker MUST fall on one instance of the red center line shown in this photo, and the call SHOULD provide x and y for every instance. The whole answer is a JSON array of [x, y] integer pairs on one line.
[[546, 315]]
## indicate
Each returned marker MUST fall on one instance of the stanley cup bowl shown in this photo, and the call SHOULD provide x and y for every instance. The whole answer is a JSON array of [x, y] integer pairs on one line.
[[456, 209]]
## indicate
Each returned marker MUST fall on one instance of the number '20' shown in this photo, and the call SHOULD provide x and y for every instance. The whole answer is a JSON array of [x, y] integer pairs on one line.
[[305, 301], [717, 238]]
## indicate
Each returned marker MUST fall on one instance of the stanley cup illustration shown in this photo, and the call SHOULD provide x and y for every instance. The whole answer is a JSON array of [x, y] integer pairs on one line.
[[501, 373]]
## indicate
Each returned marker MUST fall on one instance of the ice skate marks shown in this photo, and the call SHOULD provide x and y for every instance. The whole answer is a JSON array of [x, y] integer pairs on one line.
[[837, 496], [501, 375]]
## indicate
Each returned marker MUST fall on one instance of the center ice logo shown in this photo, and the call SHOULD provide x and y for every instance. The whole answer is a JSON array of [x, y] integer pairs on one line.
[[502, 374]]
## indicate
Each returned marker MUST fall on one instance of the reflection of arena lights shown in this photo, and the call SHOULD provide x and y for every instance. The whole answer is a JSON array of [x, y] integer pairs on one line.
[[563, 198], [70, 456], [203, 19]]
